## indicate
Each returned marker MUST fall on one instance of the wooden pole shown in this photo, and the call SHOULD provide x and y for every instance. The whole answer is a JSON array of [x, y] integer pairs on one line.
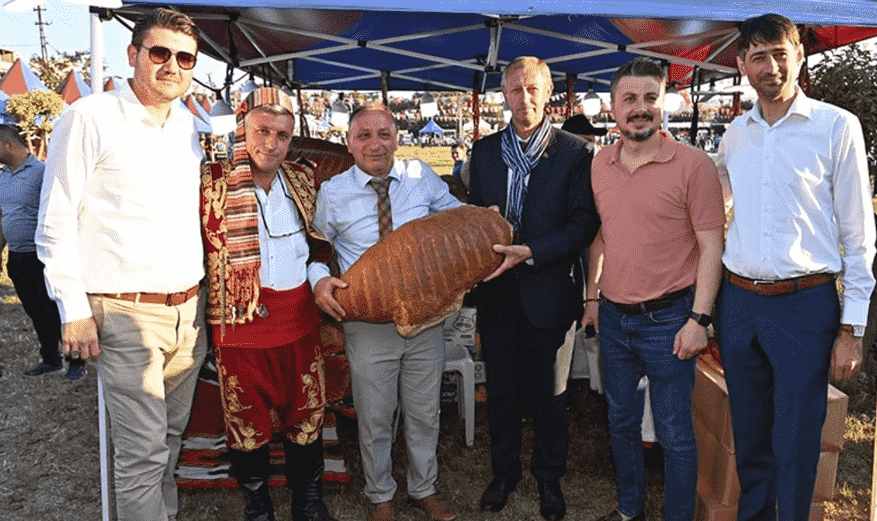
[[385, 77], [570, 95]]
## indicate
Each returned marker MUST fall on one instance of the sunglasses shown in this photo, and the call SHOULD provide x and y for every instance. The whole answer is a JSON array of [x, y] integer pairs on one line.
[[159, 55]]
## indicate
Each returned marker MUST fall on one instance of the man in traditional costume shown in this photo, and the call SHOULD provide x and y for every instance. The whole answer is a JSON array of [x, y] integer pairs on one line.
[[256, 216]]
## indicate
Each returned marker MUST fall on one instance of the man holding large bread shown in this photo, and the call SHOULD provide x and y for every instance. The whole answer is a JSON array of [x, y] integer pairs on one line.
[[354, 210], [539, 178]]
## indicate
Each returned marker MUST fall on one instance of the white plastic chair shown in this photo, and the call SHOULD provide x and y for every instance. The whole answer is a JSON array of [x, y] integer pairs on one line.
[[458, 359]]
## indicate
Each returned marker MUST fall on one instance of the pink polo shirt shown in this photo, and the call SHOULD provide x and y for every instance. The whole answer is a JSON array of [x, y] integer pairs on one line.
[[650, 216]]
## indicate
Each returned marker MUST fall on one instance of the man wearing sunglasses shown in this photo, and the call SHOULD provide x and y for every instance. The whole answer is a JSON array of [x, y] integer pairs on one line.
[[257, 211], [120, 235]]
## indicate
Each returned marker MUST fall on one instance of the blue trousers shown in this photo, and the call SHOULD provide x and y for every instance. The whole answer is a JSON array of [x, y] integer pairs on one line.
[[631, 346], [776, 351]]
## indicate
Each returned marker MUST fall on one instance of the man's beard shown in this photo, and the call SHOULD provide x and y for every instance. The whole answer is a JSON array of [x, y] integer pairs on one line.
[[641, 135], [769, 92]]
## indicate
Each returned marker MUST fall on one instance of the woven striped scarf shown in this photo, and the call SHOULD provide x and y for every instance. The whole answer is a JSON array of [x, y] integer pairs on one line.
[[521, 161], [242, 218]]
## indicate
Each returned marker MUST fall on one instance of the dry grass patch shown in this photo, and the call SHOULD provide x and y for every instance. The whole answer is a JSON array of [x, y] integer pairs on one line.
[[49, 462]]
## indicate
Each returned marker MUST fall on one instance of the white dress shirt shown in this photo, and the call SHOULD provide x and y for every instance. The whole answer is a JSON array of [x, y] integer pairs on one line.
[[347, 208], [282, 242], [119, 203], [801, 196]]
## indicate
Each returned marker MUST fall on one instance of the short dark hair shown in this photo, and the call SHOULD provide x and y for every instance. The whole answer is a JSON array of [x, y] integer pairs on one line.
[[767, 28], [12, 134], [639, 66], [165, 19]]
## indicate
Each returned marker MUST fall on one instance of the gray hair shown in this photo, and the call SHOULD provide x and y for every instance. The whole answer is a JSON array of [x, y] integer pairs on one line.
[[522, 61]]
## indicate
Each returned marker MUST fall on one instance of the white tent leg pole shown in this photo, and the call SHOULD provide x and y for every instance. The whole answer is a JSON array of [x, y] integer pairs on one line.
[[97, 85], [104, 452], [97, 54]]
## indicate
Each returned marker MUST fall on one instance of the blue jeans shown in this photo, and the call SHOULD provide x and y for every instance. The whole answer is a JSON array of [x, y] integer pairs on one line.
[[631, 346]]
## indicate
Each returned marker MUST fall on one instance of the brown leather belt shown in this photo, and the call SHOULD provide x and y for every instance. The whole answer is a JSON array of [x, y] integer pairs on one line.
[[662, 302], [778, 287], [168, 299]]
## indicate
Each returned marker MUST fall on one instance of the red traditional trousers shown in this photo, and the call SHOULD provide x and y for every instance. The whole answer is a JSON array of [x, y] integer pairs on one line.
[[271, 372]]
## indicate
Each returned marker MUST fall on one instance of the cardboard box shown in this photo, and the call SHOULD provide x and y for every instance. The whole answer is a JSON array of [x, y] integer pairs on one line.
[[710, 405], [708, 510], [826, 475], [835, 419], [716, 468]]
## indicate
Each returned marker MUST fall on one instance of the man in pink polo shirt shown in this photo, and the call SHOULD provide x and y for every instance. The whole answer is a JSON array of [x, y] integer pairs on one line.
[[661, 206]]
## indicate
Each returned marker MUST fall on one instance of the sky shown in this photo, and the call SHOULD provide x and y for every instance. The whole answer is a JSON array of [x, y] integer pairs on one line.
[[69, 31]]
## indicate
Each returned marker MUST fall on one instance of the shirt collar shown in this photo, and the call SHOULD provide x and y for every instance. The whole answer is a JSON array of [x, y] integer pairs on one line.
[[133, 109], [29, 162], [362, 178], [801, 105], [665, 153]]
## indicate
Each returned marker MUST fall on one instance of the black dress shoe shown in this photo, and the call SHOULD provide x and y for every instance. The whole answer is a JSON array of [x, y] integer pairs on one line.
[[497, 494], [616, 516], [551, 503]]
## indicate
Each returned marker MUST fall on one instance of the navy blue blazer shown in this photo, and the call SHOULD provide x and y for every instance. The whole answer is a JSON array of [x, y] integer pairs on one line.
[[558, 219]]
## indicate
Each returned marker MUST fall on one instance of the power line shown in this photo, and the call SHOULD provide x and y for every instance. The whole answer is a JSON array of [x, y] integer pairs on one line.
[[43, 42]]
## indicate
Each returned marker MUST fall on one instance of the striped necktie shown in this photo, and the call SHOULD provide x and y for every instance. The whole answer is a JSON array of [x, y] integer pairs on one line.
[[385, 216]]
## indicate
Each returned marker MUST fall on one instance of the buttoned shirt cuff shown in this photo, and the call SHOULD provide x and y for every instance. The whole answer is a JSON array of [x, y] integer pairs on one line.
[[854, 313], [74, 308], [317, 271]]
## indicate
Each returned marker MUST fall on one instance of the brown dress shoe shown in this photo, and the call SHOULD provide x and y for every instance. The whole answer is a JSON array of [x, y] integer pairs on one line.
[[435, 509], [382, 512]]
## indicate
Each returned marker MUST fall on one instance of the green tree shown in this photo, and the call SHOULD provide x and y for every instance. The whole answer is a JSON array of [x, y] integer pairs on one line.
[[53, 71], [35, 112], [848, 78]]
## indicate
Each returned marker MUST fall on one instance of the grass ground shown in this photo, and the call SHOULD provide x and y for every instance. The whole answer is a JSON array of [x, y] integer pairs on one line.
[[49, 464]]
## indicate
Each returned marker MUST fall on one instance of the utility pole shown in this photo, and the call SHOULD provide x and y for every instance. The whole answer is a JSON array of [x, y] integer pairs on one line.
[[43, 43]]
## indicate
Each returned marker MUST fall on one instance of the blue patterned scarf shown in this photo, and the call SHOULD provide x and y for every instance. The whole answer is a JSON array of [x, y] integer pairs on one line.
[[521, 160]]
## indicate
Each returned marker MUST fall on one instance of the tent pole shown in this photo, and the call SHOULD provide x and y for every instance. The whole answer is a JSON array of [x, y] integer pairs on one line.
[[97, 85], [475, 115], [385, 75], [570, 81], [97, 54]]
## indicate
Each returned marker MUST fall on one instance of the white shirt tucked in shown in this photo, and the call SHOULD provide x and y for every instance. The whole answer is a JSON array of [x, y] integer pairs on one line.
[[119, 203], [282, 241], [801, 197]]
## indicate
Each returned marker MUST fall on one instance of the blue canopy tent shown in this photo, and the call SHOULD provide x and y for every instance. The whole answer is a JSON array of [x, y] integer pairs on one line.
[[431, 128], [5, 117], [455, 46]]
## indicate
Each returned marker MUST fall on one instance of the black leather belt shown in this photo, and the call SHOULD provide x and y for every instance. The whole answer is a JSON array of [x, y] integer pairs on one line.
[[662, 302]]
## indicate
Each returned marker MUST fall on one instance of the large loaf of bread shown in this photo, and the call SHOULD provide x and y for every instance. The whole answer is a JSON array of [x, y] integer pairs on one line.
[[417, 275]]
